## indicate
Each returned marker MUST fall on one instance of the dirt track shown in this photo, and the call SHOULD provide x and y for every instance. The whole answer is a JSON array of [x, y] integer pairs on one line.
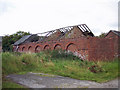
[[40, 80]]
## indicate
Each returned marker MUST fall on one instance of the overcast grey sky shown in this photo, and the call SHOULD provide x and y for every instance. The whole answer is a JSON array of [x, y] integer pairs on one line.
[[37, 16]]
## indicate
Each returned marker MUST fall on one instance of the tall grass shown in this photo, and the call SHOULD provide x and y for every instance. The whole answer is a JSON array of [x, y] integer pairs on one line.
[[59, 63]]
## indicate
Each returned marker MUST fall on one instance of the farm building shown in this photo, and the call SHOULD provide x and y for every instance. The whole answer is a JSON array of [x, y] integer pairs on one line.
[[78, 39]]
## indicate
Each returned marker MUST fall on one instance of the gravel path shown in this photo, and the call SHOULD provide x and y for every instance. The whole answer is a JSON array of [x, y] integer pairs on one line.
[[40, 80]]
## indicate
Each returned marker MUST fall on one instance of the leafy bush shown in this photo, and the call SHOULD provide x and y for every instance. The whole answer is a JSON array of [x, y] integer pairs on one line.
[[63, 55], [9, 40]]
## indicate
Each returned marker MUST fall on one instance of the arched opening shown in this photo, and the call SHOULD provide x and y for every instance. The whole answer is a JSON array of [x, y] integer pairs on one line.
[[23, 49], [57, 47], [47, 47], [71, 48], [37, 49], [18, 49], [30, 48]]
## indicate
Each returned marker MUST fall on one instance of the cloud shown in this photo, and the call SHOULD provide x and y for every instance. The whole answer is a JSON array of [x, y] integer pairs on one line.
[[37, 16], [5, 7], [114, 24]]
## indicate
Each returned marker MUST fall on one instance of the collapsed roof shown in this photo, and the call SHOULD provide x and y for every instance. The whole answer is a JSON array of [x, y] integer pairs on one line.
[[58, 34], [27, 38], [66, 31]]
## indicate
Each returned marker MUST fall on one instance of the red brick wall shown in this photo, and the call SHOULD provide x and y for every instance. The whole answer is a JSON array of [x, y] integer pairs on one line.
[[91, 48], [77, 46], [57, 47], [100, 49], [116, 42]]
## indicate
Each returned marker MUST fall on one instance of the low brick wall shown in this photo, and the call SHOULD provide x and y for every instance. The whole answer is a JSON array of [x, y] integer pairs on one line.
[[87, 48]]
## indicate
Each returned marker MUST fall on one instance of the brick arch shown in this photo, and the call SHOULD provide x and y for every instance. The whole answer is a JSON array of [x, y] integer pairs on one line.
[[37, 48], [19, 49], [71, 47], [46, 47], [23, 49], [30, 48], [57, 47]]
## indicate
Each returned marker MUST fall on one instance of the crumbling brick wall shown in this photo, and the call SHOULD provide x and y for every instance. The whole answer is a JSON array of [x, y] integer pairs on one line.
[[54, 36], [74, 45], [91, 48], [85, 47], [74, 33]]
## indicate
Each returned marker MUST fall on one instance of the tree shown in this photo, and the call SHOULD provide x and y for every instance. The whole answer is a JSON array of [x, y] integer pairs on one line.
[[102, 35], [9, 40]]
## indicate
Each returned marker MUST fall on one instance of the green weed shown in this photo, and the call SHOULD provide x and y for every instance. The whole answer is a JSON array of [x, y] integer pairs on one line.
[[59, 63]]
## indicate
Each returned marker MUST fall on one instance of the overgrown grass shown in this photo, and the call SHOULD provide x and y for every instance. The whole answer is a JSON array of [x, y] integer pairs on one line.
[[59, 63], [10, 84]]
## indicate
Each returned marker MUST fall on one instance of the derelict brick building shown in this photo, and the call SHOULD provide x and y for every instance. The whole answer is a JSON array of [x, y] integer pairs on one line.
[[78, 39]]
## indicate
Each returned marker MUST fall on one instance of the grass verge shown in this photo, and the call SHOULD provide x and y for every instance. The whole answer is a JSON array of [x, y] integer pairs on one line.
[[7, 84], [59, 63]]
